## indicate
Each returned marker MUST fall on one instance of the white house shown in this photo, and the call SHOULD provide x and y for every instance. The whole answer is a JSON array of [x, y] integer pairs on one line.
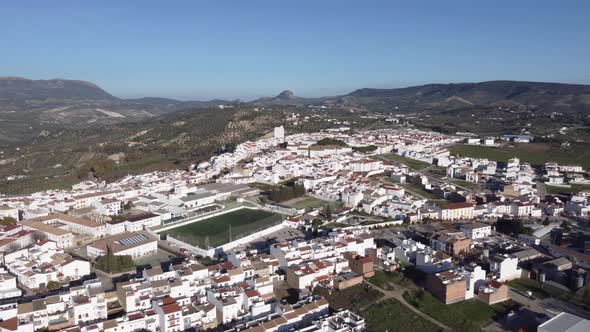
[[476, 230], [108, 207], [505, 268], [8, 211], [136, 245], [8, 288]]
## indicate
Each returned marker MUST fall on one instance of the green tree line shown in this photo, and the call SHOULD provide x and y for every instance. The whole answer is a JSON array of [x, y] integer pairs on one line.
[[284, 193]]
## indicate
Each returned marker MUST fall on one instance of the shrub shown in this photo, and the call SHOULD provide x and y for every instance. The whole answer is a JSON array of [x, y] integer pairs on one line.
[[53, 285], [114, 264]]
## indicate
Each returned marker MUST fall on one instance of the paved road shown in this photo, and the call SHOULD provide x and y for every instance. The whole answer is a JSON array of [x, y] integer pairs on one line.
[[548, 306], [398, 294], [533, 305]]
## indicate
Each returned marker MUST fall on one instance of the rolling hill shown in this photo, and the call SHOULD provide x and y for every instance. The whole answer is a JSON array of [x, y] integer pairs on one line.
[[22, 90], [558, 97], [30, 107], [535, 96], [52, 129]]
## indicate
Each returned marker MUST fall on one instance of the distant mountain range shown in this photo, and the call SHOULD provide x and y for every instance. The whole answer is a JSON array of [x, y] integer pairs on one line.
[[32, 104], [524, 95], [58, 102], [536, 96]]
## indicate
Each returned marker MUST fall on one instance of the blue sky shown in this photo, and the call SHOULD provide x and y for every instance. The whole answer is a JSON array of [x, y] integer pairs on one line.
[[247, 49]]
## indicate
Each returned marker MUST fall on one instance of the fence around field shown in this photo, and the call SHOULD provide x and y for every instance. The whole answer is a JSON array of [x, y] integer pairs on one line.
[[199, 218], [191, 248], [227, 246], [375, 225], [200, 238], [193, 244]]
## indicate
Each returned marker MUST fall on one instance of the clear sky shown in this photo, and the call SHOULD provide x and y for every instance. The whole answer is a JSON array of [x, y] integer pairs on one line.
[[245, 49]]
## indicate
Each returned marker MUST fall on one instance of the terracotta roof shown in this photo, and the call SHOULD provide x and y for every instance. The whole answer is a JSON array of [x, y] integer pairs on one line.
[[453, 206], [10, 324], [171, 308]]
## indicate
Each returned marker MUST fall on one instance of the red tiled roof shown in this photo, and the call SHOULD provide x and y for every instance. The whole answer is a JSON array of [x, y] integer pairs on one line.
[[462, 205], [171, 308]]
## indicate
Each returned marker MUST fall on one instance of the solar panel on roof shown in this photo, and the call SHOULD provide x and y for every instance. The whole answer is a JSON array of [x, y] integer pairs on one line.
[[133, 239]]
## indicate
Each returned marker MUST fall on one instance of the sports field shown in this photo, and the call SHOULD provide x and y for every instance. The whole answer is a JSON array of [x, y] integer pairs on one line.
[[215, 231]]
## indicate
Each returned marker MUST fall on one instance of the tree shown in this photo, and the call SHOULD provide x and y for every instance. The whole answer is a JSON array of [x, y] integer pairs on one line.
[[53, 285], [365, 149], [284, 193], [331, 141], [512, 227], [6, 221], [407, 220], [328, 212], [566, 225], [96, 167], [38, 236], [206, 260], [12, 247], [315, 224], [112, 263]]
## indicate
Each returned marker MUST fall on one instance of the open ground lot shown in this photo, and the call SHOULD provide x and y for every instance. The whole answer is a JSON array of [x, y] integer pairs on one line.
[[469, 315], [308, 202], [156, 259], [412, 163], [391, 315], [534, 153], [387, 315], [216, 230], [574, 188]]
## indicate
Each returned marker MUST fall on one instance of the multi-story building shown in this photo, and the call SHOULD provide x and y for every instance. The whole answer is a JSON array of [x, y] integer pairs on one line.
[[108, 206], [493, 292], [457, 211], [451, 244], [137, 244], [66, 223], [169, 314], [298, 251], [505, 268], [8, 288], [310, 274], [447, 286], [521, 209], [86, 200], [44, 263], [476, 230], [361, 265]]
